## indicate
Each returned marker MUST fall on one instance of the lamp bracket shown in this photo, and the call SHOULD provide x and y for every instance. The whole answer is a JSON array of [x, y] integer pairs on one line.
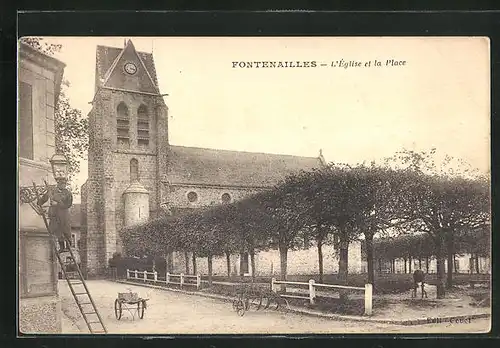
[[29, 194]]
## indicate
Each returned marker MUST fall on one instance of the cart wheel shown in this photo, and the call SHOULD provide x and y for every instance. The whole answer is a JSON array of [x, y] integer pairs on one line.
[[240, 308], [118, 309], [140, 309], [258, 301], [235, 304]]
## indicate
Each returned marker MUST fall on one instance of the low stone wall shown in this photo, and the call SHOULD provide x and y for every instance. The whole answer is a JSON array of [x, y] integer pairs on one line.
[[40, 315]]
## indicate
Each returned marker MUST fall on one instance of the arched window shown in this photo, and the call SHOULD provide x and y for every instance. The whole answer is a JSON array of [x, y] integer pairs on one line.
[[134, 170], [122, 123], [142, 125]]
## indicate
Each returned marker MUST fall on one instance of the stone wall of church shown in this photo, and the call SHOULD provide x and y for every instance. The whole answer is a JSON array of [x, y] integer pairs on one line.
[[179, 195], [267, 263]]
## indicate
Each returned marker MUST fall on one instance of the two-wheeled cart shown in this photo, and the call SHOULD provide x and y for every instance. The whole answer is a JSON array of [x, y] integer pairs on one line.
[[131, 302]]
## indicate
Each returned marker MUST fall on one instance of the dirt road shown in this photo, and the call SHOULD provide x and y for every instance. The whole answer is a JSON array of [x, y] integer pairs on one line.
[[171, 313]]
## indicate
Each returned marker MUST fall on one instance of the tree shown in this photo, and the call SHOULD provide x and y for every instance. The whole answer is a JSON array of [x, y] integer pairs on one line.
[[336, 206], [441, 199], [41, 45], [440, 206], [250, 228], [71, 128], [317, 227], [72, 134]]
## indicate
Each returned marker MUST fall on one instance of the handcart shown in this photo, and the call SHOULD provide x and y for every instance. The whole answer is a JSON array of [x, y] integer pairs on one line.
[[131, 302]]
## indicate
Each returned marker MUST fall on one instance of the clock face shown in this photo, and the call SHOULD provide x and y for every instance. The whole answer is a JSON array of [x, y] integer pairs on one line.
[[130, 68]]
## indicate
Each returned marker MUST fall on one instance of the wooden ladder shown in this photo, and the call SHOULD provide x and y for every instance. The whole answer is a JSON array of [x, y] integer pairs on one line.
[[77, 286]]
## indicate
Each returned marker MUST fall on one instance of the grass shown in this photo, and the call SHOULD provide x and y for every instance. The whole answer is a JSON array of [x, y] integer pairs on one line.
[[481, 299], [422, 303]]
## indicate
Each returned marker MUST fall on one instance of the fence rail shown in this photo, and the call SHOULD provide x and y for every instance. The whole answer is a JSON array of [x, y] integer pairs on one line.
[[184, 279], [368, 290], [195, 280]]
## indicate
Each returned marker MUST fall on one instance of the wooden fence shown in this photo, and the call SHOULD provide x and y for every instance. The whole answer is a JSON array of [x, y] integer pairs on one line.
[[170, 278], [312, 285]]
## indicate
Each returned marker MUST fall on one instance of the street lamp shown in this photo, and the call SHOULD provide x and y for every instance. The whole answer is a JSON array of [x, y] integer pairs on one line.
[[59, 165], [58, 220]]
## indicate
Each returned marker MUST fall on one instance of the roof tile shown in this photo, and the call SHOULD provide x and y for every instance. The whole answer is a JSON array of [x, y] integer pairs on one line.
[[191, 165]]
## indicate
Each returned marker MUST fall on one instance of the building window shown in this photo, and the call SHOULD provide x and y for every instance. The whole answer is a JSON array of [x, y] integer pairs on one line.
[[134, 170], [25, 120], [122, 123], [226, 198], [192, 196], [142, 125]]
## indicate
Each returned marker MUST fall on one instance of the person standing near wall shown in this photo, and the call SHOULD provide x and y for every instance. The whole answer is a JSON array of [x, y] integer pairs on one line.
[[61, 200]]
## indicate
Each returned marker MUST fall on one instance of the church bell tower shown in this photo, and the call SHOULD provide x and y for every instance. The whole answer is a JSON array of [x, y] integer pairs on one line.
[[128, 144]]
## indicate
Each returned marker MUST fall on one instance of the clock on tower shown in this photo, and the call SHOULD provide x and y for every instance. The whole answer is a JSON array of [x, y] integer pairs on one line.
[[130, 68]]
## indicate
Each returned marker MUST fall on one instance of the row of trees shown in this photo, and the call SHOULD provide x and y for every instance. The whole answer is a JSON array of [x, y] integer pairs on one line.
[[336, 202], [420, 247]]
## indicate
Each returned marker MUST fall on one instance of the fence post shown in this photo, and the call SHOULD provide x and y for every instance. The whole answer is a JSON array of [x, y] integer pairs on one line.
[[156, 276], [182, 279], [312, 291], [145, 276], [273, 286], [168, 278], [127, 273], [136, 274], [368, 299], [198, 281]]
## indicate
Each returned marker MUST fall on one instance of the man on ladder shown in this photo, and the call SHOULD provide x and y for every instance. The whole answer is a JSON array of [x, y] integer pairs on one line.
[[59, 227], [61, 200]]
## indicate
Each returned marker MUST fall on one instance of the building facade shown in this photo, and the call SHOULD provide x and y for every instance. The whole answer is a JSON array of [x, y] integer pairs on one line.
[[39, 81], [134, 172]]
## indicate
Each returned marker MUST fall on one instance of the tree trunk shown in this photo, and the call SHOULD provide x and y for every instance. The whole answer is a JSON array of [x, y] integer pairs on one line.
[[420, 262], [228, 264], [209, 270], [194, 263], [406, 269], [449, 254], [186, 258], [369, 258], [455, 270], [168, 259], [410, 261], [283, 263], [427, 264], [477, 263], [343, 262], [320, 260], [441, 292], [379, 266], [166, 265], [252, 262]]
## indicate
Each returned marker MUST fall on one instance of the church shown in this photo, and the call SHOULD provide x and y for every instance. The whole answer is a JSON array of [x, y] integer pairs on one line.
[[133, 171]]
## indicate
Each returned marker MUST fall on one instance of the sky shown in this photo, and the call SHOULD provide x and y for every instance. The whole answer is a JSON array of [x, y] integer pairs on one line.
[[439, 97]]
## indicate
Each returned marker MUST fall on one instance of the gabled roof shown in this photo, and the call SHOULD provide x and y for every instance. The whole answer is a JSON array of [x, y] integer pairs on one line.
[[107, 56], [199, 166]]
